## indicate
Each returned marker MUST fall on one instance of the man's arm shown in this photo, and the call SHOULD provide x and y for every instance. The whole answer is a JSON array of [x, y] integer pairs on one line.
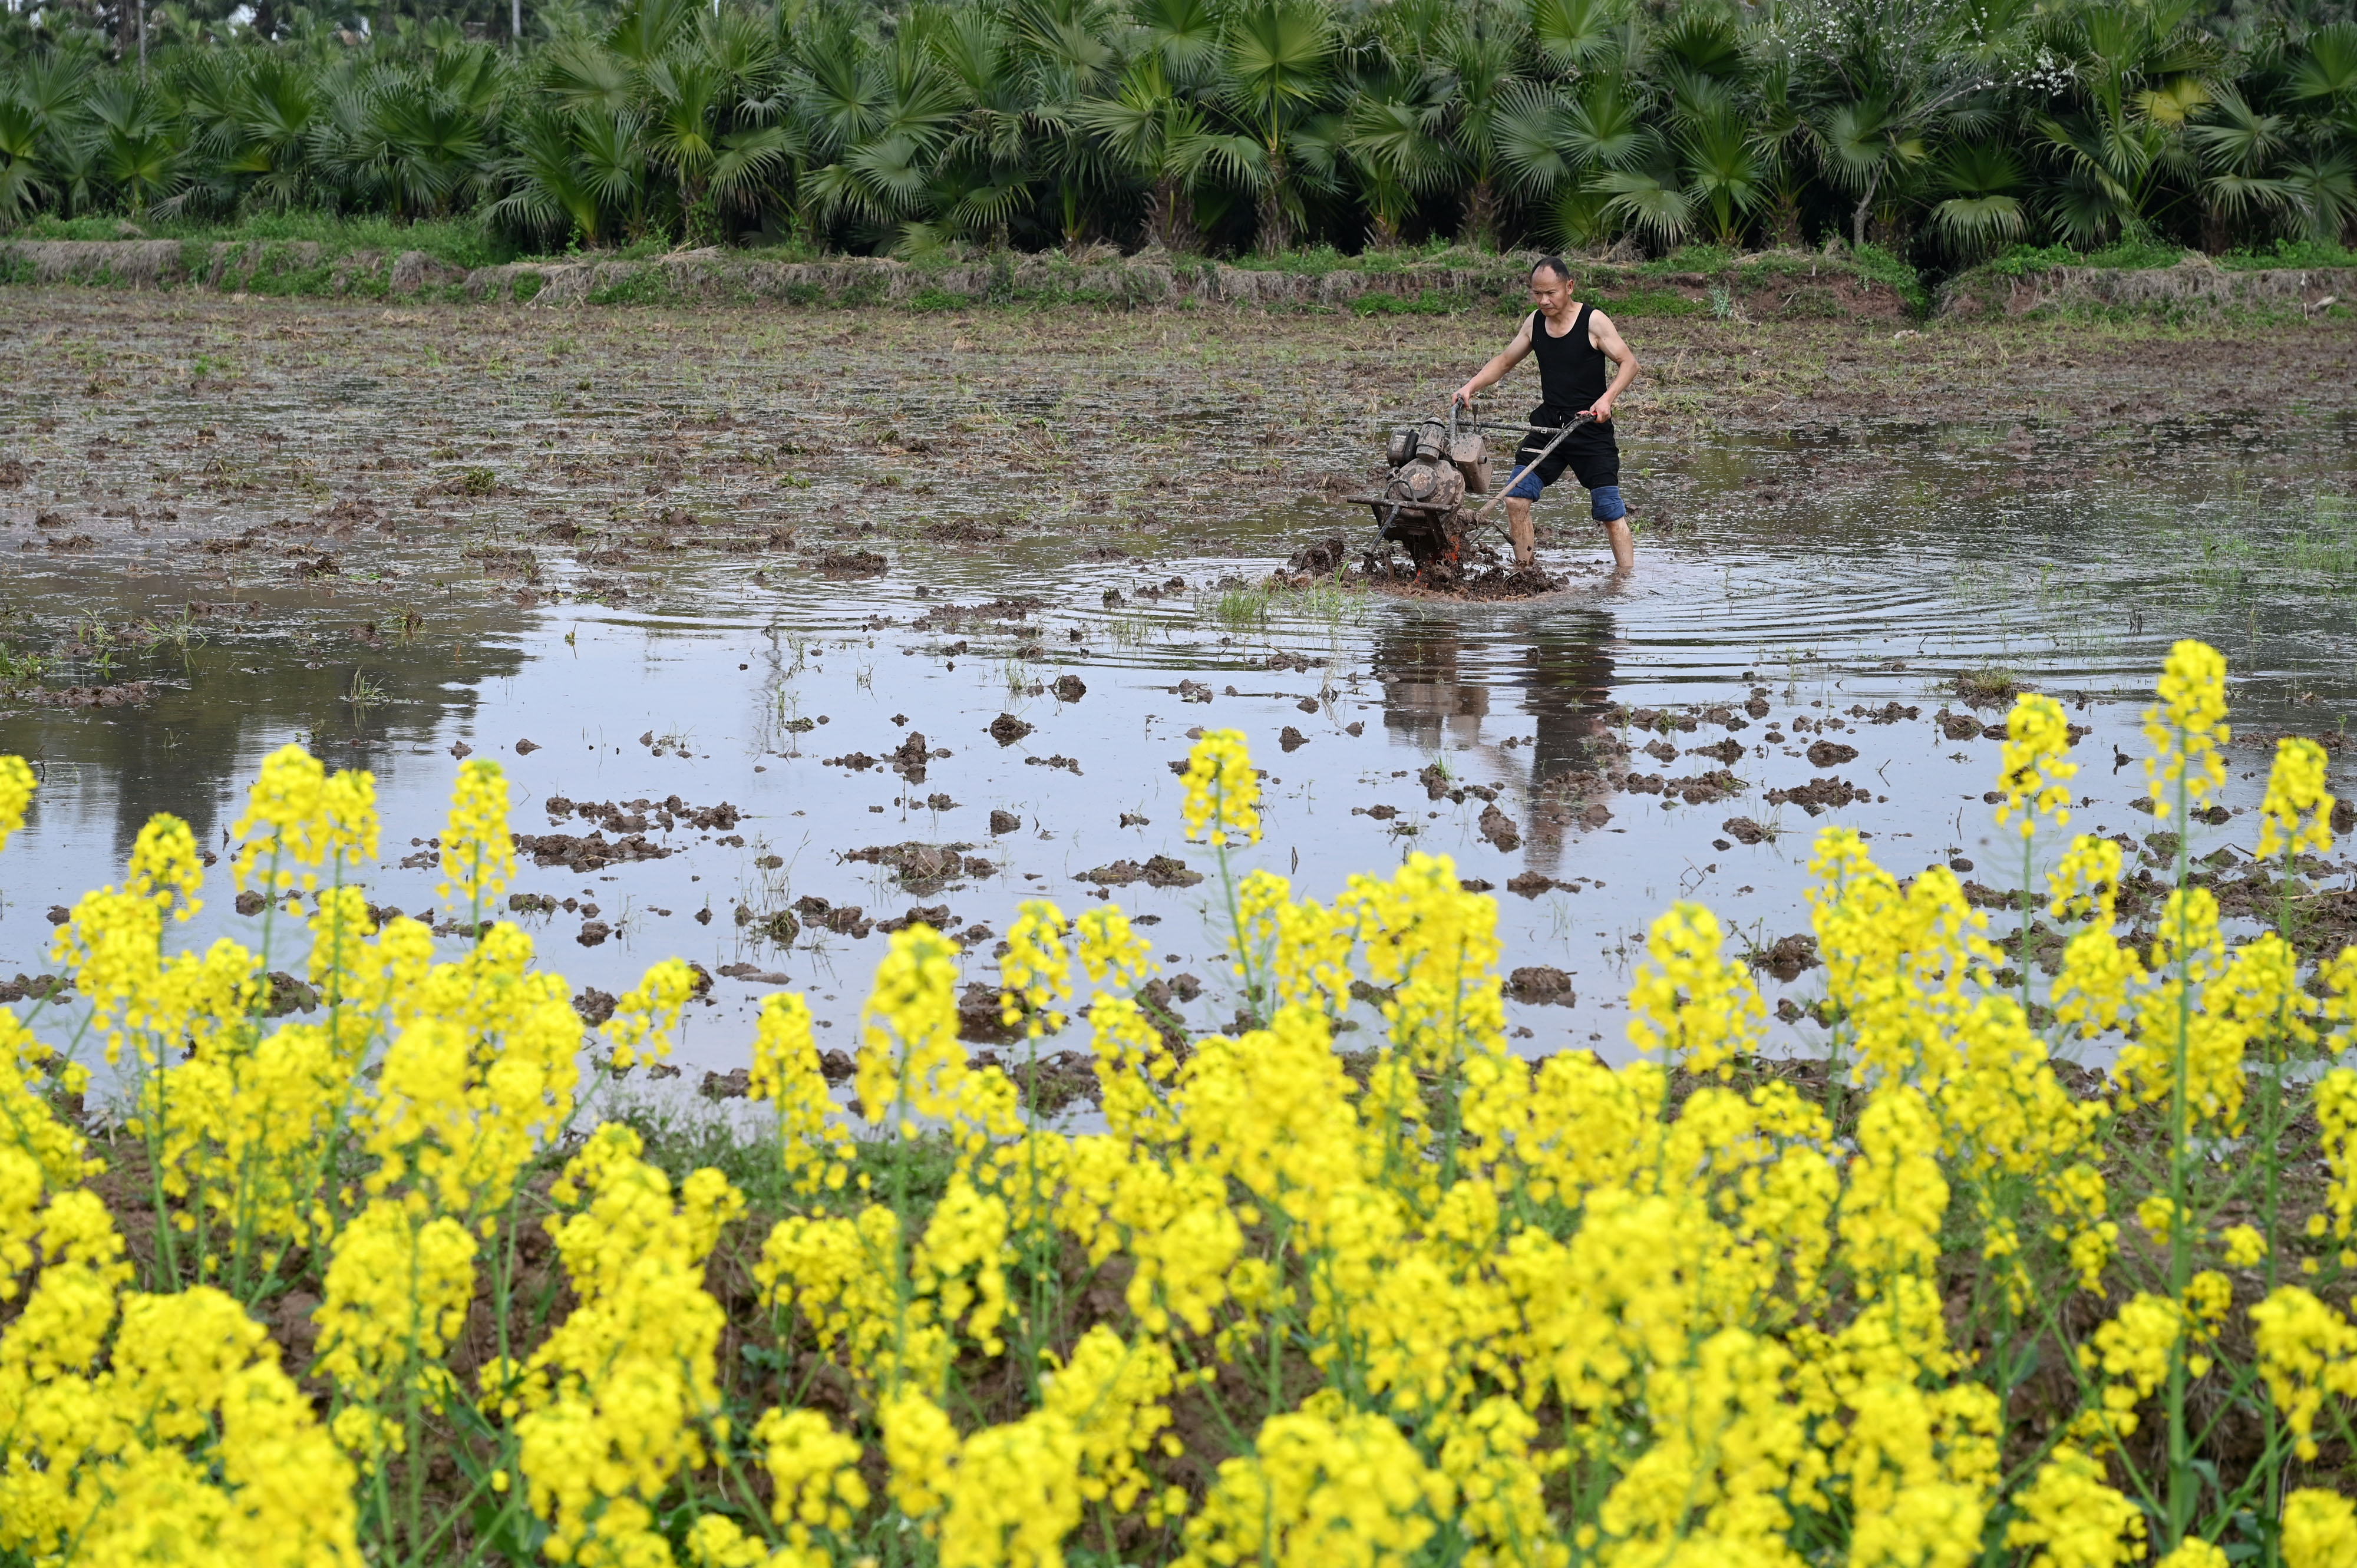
[[1489, 375], [1606, 339]]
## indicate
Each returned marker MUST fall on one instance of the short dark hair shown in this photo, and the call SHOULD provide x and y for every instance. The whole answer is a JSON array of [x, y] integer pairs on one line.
[[1552, 264]]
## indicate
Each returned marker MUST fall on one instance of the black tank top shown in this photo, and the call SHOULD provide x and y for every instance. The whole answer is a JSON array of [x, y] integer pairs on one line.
[[1571, 368]]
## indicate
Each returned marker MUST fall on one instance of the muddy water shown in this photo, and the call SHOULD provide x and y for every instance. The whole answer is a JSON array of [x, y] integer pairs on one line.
[[1057, 529]]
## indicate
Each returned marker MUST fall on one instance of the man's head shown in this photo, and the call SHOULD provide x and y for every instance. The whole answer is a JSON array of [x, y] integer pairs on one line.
[[1550, 284]]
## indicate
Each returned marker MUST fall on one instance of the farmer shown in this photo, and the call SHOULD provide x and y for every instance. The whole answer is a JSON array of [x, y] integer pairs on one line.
[[1573, 341]]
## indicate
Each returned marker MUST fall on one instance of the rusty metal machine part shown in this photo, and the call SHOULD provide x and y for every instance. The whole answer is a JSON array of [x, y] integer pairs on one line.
[[1435, 464]]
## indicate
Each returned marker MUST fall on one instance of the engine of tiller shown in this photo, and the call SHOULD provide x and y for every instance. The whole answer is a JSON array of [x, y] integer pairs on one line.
[[1433, 469]]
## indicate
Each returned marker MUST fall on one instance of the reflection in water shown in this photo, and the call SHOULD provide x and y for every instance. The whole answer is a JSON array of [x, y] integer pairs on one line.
[[1566, 688], [1438, 673], [238, 688]]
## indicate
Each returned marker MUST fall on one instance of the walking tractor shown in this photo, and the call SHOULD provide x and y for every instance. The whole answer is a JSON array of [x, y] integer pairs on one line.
[[1438, 467]]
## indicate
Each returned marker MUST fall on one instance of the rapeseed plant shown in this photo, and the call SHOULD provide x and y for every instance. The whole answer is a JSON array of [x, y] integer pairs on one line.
[[365, 1288]]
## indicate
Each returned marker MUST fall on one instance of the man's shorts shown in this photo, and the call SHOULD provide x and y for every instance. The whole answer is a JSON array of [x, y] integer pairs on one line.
[[1594, 459]]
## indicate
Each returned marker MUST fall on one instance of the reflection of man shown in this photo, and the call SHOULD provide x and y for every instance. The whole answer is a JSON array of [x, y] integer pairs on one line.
[[1437, 699], [1573, 341], [1567, 691]]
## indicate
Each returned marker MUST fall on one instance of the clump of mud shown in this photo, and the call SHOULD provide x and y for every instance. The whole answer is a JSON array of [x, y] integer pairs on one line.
[[1487, 577], [1490, 585]]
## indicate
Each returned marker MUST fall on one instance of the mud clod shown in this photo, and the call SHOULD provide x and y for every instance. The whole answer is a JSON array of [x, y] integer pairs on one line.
[[1006, 729], [1500, 828], [923, 867], [852, 563], [594, 1005], [1743, 830], [1787, 957], [1542, 984], [1160, 871], [1830, 754], [1291, 739], [1069, 687], [589, 852], [736, 1083], [1322, 558], [123, 695], [1005, 821], [1819, 794], [981, 1020]]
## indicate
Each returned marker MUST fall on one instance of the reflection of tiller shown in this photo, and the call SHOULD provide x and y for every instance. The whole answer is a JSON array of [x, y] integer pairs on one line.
[[1436, 464]]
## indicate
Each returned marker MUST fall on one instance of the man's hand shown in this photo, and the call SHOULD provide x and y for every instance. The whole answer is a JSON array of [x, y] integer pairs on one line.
[[1466, 394], [1602, 408]]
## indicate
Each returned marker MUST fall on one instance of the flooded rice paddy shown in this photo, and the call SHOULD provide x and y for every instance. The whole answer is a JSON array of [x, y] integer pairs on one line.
[[788, 627]]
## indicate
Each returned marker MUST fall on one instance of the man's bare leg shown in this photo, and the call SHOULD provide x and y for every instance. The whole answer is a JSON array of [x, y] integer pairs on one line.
[[1518, 529], [1624, 548]]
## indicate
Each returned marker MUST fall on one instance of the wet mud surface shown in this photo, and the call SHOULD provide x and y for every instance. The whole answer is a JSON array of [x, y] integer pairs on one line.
[[789, 628]]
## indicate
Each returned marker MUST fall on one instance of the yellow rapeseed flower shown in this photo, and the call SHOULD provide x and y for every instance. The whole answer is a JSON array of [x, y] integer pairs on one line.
[[2187, 726], [645, 1014], [814, 1149], [477, 853], [2296, 814], [2319, 1529], [2072, 1518], [1035, 972], [305, 815], [2087, 881], [1691, 1002], [2036, 769], [16, 786], [1222, 790]]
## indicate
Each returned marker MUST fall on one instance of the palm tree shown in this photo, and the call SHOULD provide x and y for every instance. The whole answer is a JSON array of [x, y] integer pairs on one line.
[[1867, 146], [985, 164], [1280, 60], [1506, 130], [887, 115], [2323, 177], [20, 169], [135, 149], [1618, 159], [1154, 123], [50, 89], [276, 112], [2145, 72], [2235, 147], [1726, 173], [1391, 134], [546, 192], [1981, 209]]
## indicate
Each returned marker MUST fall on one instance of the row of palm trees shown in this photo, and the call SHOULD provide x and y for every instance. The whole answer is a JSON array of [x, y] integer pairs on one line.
[[1946, 127]]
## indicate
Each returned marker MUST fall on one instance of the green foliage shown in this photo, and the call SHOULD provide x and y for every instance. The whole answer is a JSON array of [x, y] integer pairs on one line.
[[1428, 302], [2132, 252], [1305, 134], [2291, 254], [466, 241]]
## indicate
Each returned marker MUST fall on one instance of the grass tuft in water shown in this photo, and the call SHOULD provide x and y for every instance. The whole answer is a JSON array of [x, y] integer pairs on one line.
[[1240, 608], [1129, 631], [2327, 547], [20, 669], [1988, 684]]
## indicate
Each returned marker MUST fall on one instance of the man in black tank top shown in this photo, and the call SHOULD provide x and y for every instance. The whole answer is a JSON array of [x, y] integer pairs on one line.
[[1574, 342]]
